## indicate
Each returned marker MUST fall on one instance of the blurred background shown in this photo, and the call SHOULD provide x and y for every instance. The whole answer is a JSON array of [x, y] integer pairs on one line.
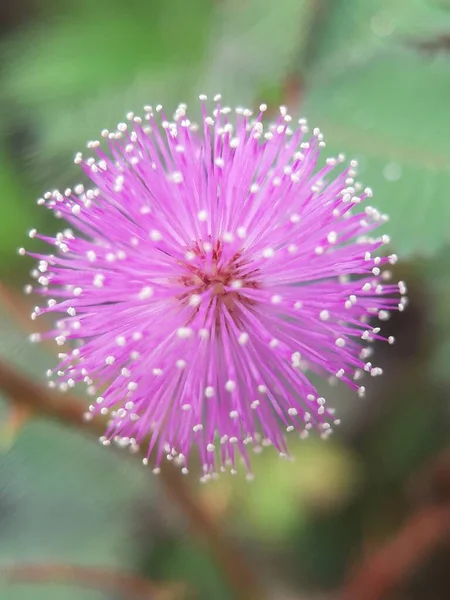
[[374, 75]]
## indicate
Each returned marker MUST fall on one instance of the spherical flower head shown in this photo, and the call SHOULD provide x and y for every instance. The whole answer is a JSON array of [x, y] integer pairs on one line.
[[208, 270]]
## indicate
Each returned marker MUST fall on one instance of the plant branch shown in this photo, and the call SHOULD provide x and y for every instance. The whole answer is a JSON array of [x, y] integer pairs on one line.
[[385, 570], [69, 410], [130, 585]]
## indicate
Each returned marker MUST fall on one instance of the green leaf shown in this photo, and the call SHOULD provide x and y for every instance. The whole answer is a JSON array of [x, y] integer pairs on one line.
[[352, 33], [103, 44], [437, 278], [285, 492], [399, 130], [379, 96], [254, 45], [180, 560], [17, 215], [70, 77], [67, 499]]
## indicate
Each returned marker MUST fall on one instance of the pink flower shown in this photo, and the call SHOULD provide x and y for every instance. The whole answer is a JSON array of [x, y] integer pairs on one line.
[[207, 271]]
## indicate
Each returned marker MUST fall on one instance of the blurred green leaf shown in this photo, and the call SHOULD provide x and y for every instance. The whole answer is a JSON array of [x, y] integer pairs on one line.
[[171, 559], [437, 277], [285, 492], [377, 96], [409, 432], [30, 591], [17, 215], [93, 64], [103, 44], [353, 33], [66, 498], [323, 546], [254, 45], [375, 112], [441, 360], [444, 4]]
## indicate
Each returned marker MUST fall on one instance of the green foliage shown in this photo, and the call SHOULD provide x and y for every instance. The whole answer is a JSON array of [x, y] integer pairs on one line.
[[172, 559], [375, 112], [354, 33], [437, 277], [104, 44], [63, 498], [254, 45], [380, 97], [287, 492], [17, 216], [94, 64]]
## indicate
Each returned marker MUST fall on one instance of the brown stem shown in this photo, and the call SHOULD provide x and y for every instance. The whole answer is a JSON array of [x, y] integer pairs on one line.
[[384, 571], [69, 410], [130, 585]]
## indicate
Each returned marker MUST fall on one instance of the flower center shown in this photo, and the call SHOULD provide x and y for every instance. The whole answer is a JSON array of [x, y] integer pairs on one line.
[[208, 270]]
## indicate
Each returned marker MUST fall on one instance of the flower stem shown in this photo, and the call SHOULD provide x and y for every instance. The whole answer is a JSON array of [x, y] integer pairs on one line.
[[426, 530]]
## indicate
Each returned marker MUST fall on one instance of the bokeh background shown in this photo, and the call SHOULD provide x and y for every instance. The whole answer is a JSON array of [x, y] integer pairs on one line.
[[374, 75]]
